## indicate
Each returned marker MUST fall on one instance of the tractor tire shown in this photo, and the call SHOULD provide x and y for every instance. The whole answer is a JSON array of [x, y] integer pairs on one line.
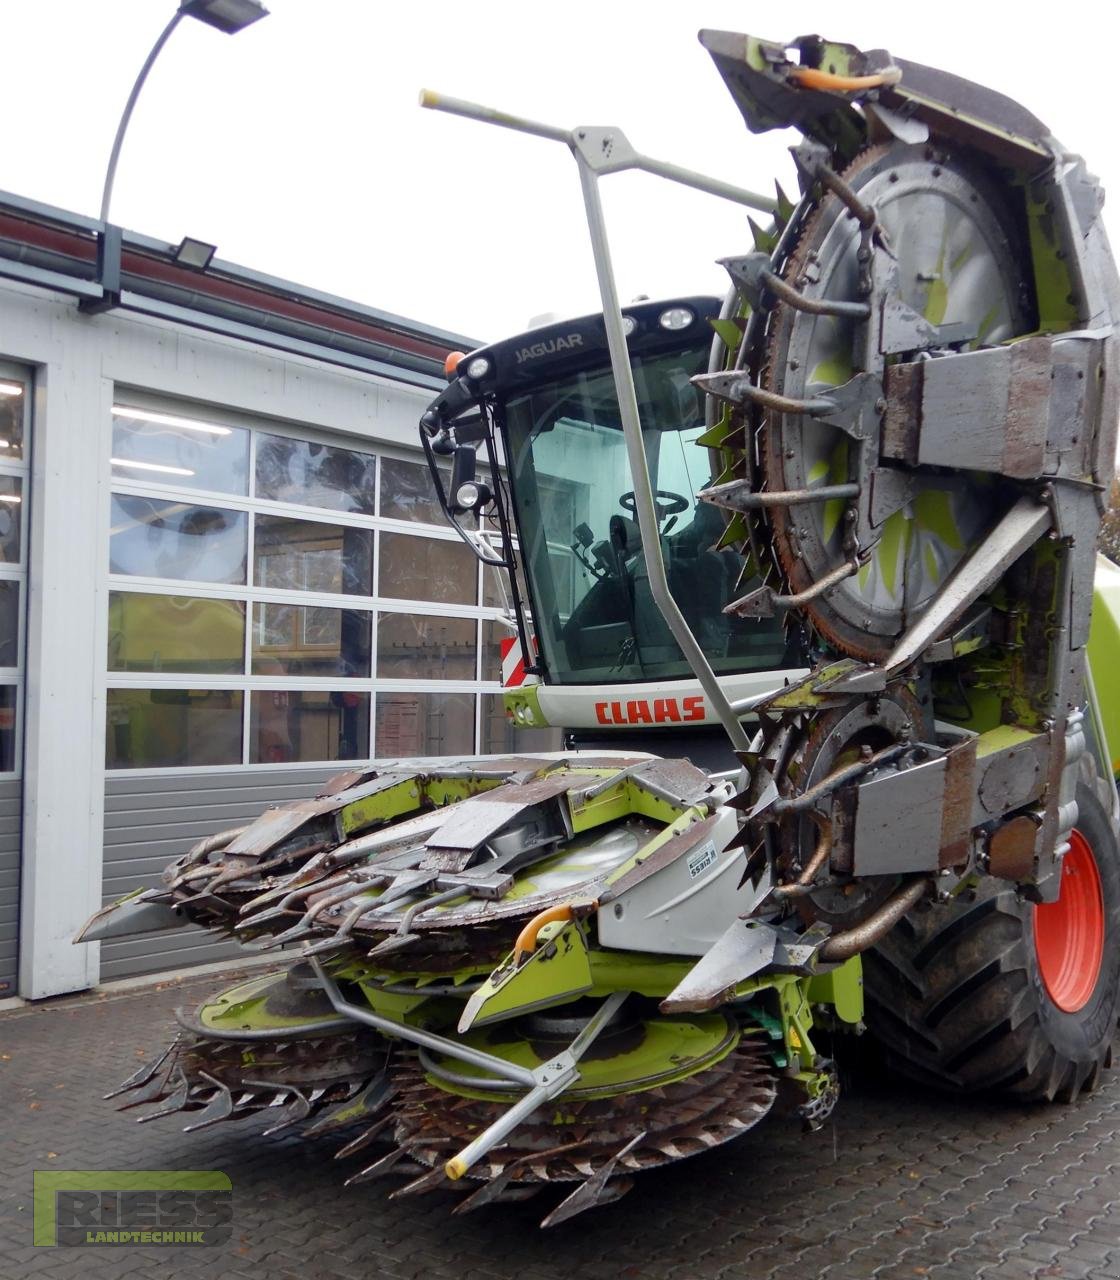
[[998, 995]]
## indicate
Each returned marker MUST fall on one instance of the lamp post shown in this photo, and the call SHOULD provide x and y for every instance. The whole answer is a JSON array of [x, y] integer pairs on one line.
[[229, 16]]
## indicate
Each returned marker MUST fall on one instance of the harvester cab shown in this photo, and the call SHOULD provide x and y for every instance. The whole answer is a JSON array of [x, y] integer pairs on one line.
[[855, 529], [539, 487]]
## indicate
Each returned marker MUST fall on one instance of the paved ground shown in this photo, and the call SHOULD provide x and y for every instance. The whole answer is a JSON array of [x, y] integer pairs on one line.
[[900, 1185]]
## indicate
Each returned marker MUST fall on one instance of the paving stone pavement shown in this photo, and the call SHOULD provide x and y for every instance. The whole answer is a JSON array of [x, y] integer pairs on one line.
[[899, 1184]]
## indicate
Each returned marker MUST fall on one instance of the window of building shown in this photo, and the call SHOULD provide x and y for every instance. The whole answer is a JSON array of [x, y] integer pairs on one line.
[[278, 599], [15, 435]]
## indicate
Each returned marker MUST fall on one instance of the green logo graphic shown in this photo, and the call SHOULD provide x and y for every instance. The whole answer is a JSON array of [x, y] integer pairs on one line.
[[132, 1206]]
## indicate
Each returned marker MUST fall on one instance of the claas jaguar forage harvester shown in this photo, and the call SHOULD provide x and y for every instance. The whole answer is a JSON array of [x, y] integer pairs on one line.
[[806, 577]]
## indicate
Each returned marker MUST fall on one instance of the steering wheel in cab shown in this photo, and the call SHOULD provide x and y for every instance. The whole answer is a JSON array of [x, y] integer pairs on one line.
[[667, 503]]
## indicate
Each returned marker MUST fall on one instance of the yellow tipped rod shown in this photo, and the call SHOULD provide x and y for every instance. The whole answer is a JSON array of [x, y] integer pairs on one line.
[[584, 139], [552, 1078], [487, 115], [489, 1138]]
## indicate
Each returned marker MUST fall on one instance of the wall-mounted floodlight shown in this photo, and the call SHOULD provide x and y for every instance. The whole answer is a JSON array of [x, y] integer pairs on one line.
[[195, 254]]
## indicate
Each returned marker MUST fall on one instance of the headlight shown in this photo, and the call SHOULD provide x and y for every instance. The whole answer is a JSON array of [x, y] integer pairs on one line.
[[478, 368], [468, 495], [674, 318]]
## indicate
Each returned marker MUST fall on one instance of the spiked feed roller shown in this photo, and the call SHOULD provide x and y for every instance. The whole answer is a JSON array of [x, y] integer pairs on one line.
[[504, 972]]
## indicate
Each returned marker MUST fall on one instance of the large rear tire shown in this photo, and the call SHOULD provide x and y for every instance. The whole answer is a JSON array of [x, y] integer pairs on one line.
[[998, 994]]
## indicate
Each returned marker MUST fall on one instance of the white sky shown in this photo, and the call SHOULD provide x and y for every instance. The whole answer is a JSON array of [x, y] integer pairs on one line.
[[299, 149]]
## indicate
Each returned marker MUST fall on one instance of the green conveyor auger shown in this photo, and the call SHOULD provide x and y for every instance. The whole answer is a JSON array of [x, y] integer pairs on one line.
[[505, 972]]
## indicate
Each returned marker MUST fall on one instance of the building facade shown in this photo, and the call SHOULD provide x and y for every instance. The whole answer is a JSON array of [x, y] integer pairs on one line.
[[223, 574]]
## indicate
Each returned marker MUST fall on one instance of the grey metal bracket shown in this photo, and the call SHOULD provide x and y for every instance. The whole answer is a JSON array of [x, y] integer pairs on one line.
[[902, 329], [973, 634], [891, 490]]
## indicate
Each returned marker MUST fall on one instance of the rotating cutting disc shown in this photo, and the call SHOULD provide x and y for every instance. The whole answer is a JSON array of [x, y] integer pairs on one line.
[[731, 1087], [950, 238], [833, 740]]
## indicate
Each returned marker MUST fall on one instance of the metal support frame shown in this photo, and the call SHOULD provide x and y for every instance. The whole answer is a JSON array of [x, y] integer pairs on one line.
[[599, 151], [427, 1039], [544, 1083], [604, 149], [644, 504]]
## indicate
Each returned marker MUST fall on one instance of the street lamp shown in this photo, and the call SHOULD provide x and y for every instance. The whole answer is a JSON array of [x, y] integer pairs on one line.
[[230, 16]]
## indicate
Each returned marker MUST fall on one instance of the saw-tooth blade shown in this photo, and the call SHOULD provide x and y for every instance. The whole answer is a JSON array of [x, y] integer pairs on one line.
[[588, 1195], [363, 1139], [399, 1156], [430, 1181]]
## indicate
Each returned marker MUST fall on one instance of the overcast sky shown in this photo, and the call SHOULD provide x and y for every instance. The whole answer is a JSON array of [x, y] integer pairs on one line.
[[299, 149]]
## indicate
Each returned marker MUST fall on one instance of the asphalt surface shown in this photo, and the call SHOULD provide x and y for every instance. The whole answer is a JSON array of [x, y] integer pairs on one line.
[[899, 1184]]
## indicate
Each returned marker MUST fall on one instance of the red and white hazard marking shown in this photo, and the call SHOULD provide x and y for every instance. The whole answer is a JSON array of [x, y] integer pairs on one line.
[[513, 662]]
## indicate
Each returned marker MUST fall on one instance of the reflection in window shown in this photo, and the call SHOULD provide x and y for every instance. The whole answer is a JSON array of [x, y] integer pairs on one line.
[[310, 725], [13, 410], [11, 518], [9, 697], [9, 623], [315, 475], [424, 724], [166, 449], [407, 492], [424, 569], [164, 728], [417, 646], [291, 639], [501, 737], [166, 539], [175, 633], [305, 555]]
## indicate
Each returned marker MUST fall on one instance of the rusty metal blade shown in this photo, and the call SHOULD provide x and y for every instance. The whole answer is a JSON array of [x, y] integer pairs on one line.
[[363, 1139], [499, 1190], [598, 1189], [379, 1168], [429, 1181], [366, 1104]]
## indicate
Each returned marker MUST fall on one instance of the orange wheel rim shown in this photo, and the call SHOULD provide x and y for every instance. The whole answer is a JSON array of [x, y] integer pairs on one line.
[[1069, 933]]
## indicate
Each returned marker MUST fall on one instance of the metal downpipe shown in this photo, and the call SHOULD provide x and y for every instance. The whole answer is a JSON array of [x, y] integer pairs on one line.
[[639, 470], [851, 942]]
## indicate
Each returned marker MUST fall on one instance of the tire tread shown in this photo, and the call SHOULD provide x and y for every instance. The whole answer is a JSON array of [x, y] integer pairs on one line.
[[954, 998]]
